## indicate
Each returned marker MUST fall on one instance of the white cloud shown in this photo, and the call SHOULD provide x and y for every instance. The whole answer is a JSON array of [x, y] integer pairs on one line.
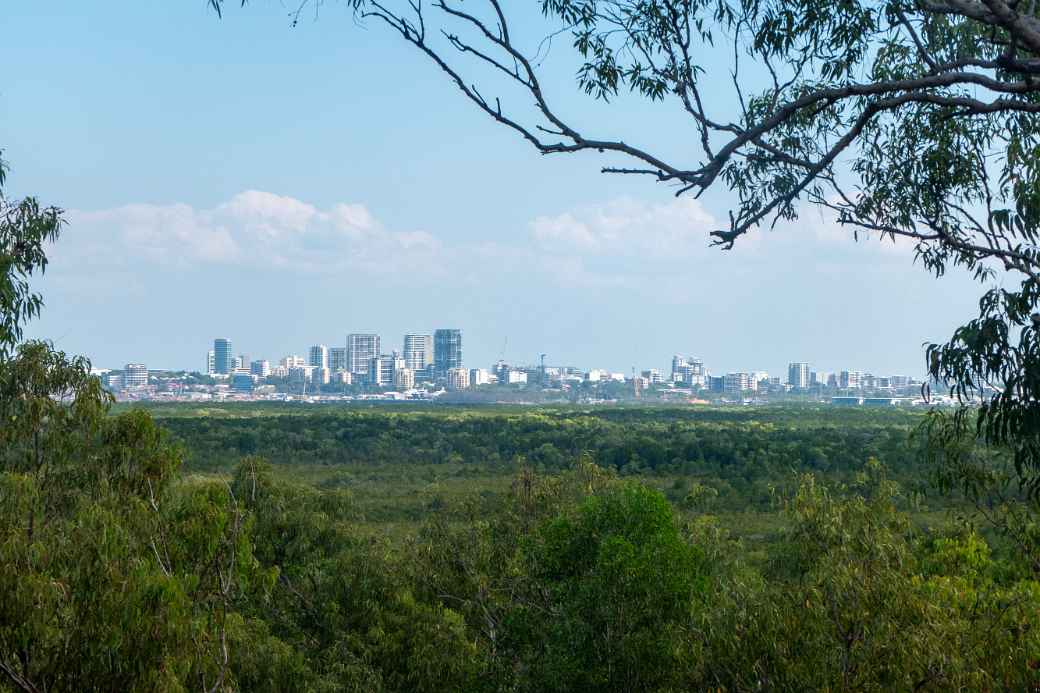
[[628, 227], [253, 228], [656, 249]]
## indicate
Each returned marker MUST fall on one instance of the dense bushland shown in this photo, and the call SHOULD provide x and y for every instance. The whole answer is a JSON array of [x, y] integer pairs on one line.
[[741, 457], [124, 573]]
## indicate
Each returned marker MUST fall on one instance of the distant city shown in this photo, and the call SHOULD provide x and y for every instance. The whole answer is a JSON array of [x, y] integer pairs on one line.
[[431, 366]]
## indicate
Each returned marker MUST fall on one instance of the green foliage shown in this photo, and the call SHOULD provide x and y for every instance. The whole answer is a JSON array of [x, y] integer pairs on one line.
[[736, 453], [856, 600], [617, 585], [25, 229]]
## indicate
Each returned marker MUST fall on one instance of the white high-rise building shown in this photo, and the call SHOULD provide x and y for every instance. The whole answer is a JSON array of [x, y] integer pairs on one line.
[[688, 370], [479, 376], [293, 361], [135, 375], [736, 383], [381, 369], [319, 356], [260, 368], [418, 351], [798, 375], [211, 362], [850, 379], [361, 349]]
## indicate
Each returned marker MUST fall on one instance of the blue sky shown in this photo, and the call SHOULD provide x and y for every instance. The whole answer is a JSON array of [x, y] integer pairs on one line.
[[285, 186]]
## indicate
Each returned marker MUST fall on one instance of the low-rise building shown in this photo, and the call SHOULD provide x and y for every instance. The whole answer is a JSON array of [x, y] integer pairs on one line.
[[458, 378], [479, 376]]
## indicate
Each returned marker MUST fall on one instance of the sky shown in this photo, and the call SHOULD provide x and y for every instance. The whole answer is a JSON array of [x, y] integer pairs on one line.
[[283, 186]]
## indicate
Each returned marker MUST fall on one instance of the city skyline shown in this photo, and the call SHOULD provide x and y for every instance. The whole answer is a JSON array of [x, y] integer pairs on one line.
[[377, 346], [688, 368], [389, 376]]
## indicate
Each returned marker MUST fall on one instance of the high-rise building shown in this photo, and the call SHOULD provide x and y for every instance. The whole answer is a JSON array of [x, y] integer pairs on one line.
[[688, 370], [211, 362], [479, 376], [381, 369], [458, 378], [319, 356], [337, 359], [404, 379], [293, 361], [418, 351], [223, 358], [652, 376], [260, 368], [736, 383], [798, 375], [135, 375], [447, 350], [850, 379], [361, 349]]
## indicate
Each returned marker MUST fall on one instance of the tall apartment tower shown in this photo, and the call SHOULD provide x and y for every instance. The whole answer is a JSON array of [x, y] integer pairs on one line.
[[418, 351], [135, 375], [688, 370], [447, 350], [381, 369], [223, 357], [361, 348], [337, 359], [211, 362], [798, 375], [850, 379], [319, 356]]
